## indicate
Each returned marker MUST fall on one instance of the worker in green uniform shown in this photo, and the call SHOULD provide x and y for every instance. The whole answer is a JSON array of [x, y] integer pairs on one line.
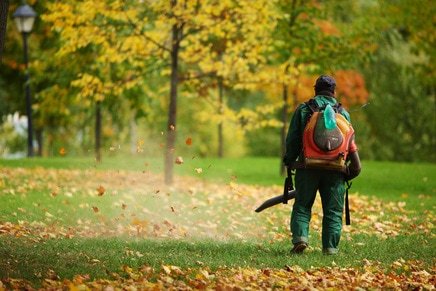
[[331, 184]]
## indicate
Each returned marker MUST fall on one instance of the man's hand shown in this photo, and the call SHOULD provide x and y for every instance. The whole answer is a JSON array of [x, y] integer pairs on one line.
[[354, 168]]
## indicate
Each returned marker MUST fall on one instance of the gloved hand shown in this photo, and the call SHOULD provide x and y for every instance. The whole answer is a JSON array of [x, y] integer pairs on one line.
[[354, 167]]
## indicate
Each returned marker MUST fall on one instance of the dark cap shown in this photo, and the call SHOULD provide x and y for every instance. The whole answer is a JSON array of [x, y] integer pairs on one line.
[[325, 83]]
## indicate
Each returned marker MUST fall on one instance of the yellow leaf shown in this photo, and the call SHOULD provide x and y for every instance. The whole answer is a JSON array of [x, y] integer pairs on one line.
[[179, 160], [166, 269]]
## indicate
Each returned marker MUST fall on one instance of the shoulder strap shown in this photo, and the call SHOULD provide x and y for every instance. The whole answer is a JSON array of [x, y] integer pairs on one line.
[[337, 107], [313, 106]]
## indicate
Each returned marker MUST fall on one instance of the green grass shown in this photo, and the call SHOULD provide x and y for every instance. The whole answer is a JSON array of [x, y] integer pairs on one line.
[[264, 171], [101, 256], [22, 258], [414, 184], [387, 180]]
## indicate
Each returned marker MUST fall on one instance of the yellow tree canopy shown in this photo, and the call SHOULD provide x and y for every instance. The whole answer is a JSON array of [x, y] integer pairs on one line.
[[225, 38]]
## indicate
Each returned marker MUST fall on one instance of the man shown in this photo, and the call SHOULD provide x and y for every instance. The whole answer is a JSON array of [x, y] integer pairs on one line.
[[330, 183]]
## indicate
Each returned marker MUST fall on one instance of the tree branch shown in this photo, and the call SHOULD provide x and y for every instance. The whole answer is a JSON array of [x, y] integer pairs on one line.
[[198, 76], [135, 27]]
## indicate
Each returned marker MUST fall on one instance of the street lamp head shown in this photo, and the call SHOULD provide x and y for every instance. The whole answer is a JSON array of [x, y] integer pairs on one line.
[[24, 17]]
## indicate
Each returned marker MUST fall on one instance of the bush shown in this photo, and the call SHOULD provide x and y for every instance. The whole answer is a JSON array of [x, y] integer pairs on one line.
[[13, 133], [264, 142]]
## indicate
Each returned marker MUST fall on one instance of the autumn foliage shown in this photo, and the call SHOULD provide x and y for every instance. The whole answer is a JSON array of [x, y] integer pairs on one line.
[[351, 89]]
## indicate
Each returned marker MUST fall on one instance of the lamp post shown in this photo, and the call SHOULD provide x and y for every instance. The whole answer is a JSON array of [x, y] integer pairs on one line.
[[24, 18]]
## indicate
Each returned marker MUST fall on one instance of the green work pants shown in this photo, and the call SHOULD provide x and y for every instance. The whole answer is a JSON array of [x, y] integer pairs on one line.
[[331, 187]]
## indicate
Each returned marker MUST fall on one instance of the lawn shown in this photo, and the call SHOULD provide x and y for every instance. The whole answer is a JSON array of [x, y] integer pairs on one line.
[[72, 222]]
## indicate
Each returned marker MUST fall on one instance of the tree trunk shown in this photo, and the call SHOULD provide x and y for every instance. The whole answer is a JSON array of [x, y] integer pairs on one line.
[[172, 112], [28, 97], [39, 141], [98, 131], [50, 142], [295, 95], [283, 131], [4, 6], [133, 135], [220, 124]]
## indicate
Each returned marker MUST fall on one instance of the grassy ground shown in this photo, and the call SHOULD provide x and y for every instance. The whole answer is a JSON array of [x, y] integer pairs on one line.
[[100, 256], [54, 221], [385, 179]]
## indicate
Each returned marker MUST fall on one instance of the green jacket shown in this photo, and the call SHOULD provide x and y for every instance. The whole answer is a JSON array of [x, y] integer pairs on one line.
[[294, 139]]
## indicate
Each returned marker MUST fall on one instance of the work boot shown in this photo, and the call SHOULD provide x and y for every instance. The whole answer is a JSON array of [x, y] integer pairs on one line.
[[299, 247], [330, 251]]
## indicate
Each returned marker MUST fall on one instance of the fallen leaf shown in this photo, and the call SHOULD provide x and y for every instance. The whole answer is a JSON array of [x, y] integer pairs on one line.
[[179, 160], [62, 151], [188, 141], [52, 275], [140, 146], [166, 269], [266, 272], [100, 190], [54, 192]]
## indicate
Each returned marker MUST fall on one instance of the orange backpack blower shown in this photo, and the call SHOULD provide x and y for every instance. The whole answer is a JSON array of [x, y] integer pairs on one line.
[[325, 148]]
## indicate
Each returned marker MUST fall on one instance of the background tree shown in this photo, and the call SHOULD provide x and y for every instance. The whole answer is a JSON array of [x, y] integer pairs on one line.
[[222, 41], [109, 49], [4, 6], [400, 120], [232, 54], [409, 132]]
